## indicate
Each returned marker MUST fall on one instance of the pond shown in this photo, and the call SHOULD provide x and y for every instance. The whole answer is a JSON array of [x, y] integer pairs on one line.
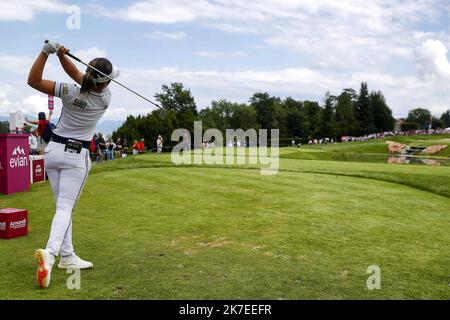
[[390, 158], [407, 159]]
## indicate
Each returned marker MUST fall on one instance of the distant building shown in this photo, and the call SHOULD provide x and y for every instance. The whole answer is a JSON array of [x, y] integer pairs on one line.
[[398, 124]]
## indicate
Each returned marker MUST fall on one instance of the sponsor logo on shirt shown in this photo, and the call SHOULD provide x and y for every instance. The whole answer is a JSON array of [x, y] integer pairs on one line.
[[79, 103], [65, 88], [2, 225]]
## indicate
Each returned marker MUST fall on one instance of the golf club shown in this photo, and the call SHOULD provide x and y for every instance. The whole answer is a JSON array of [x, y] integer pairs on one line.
[[105, 75]]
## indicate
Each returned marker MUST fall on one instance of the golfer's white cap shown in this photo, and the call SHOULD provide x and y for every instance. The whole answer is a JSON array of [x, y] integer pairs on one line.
[[115, 73]]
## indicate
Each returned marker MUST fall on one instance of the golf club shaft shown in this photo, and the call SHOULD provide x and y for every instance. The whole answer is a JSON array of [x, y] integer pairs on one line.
[[105, 75]]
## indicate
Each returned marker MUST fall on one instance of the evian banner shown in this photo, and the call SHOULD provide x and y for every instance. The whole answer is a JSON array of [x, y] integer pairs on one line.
[[14, 163]]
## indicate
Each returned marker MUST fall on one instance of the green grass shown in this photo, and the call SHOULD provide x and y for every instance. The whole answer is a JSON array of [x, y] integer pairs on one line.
[[156, 231], [426, 178]]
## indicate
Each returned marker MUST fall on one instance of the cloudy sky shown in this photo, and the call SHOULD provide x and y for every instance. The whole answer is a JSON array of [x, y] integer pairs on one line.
[[234, 48]]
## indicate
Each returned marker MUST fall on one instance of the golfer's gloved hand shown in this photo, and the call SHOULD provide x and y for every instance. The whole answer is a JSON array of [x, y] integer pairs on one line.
[[62, 51], [50, 47]]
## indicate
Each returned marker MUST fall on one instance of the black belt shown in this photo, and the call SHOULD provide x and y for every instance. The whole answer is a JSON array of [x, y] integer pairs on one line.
[[62, 140]]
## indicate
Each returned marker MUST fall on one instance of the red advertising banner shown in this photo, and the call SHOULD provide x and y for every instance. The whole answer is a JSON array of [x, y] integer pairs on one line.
[[14, 163], [13, 223], [37, 169]]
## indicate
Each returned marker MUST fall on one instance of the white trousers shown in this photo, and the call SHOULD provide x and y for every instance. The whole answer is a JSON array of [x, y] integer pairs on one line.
[[67, 173]]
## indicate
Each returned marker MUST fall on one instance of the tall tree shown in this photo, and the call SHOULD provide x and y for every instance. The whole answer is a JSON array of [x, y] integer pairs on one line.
[[346, 123], [296, 119], [446, 118], [313, 112], [180, 100], [243, 117], [363, 111], [218, 115], [382, 114], [352, 94], [326, 128], [437, 123], [175, 97], [265, 107], [421, 116]]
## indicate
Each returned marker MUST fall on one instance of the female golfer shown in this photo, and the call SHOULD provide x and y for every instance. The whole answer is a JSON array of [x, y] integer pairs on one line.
[[67, 156]]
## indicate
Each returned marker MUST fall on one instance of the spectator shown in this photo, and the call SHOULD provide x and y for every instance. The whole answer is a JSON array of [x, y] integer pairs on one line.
[[118, 150], [101, 147], [125, 149], [110, 146], [42, 123], [159, 144], [135, 148], [32, 139], [93, 149], [141, 146]]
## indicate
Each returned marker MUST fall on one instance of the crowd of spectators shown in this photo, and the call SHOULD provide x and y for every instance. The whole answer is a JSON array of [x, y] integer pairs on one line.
[[393, 133], [373, 136], [107, 150]]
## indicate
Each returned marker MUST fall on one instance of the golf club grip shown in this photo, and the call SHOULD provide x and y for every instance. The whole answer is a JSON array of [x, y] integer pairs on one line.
[[68, 54]]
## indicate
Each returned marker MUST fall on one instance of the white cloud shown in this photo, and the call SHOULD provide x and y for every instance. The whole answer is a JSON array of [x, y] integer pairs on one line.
[[348, 34], [86, 55], [34, 104], [432, 60], [26, 10], [4, 101], [160, 11], [402, 93], [11, 101], [17, 64], [219, 54], [159, 35], [119, 113]]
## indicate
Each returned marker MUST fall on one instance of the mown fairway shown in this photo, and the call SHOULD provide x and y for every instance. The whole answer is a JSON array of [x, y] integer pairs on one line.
[[155, 231]]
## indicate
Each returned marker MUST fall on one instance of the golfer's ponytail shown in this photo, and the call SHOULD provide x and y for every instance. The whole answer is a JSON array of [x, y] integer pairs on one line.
[[87, 84]]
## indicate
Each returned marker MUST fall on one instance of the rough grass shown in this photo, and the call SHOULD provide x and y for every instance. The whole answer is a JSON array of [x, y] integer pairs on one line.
[[155, 231]]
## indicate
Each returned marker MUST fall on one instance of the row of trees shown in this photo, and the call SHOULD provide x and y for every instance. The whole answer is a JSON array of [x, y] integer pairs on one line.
[[350, 113], [421, 118]]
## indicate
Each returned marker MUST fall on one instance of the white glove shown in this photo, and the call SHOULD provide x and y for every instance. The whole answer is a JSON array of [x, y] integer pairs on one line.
[[50, 47]]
